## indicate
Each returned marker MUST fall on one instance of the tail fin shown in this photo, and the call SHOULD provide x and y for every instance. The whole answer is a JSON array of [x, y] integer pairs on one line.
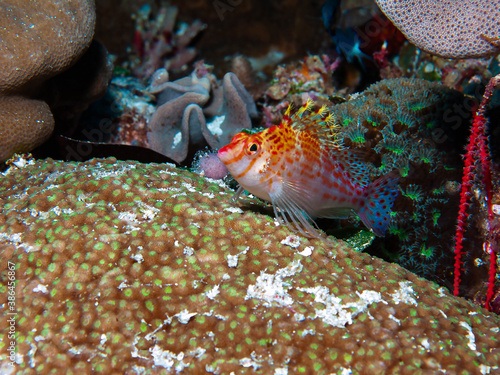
[[380, 196]]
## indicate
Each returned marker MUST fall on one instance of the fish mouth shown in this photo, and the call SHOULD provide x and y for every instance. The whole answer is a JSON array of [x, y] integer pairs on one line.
[[224, 154]]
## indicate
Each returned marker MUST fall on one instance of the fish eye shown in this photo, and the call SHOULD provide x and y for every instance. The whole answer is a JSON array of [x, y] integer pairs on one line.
[[253, 148]]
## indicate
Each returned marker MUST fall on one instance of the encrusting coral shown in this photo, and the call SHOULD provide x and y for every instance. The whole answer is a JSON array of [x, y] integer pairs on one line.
[[124, 267], [410, 125], [43, 39], [182, 117]]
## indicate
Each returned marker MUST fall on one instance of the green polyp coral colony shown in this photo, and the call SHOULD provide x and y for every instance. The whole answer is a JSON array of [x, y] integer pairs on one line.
[[130, 268], [409, 125]]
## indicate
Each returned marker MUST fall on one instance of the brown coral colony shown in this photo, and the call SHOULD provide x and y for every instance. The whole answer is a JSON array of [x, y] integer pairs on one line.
[[43, 39], [119, 264], [125, 267]]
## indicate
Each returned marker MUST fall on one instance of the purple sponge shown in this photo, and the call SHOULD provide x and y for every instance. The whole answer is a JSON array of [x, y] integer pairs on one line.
[[209, 165]]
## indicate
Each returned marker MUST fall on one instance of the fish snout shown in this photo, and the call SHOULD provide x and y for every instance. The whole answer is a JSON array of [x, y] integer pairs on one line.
[[224, 154]]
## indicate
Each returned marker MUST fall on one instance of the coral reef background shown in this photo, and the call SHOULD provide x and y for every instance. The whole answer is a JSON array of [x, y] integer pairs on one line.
[[125, 267], [290, 27]]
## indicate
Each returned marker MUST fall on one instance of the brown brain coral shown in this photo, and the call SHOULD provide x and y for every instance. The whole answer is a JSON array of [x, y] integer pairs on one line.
[[43, 38], [129, 268], [24, 123], [448, 28]]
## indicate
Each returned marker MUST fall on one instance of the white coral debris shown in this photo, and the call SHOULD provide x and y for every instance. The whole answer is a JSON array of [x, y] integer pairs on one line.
[[404, 294], [212, 293], [271, 288], [336, 313], [307, 251], [184, 316], [293, 241], [41, 288]]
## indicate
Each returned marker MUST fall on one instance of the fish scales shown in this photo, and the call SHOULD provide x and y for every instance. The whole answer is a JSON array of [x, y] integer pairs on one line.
[[305, 174]]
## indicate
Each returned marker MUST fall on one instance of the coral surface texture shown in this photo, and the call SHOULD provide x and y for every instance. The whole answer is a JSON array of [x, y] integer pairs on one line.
[[43, 39], [128, 268]]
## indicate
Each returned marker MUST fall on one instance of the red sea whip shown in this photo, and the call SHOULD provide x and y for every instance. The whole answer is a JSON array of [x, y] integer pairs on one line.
[[477, 149]]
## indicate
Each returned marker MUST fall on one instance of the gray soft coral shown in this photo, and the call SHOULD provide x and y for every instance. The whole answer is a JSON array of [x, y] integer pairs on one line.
[[195, 111]]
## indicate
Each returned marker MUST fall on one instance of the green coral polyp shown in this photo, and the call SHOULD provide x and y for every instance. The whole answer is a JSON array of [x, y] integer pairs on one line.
[[166, 303], [413, 192]]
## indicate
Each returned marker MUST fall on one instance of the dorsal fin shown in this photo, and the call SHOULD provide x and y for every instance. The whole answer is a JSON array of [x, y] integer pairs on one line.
[[320, 123]]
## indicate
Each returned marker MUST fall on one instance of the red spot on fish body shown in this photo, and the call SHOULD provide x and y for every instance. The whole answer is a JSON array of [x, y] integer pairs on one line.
[[325, 181]]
